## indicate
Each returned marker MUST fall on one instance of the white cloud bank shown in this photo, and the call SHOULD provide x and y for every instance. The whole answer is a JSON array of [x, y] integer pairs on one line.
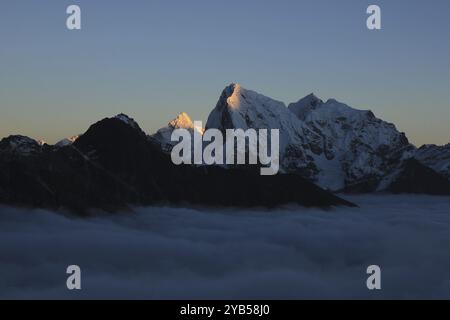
[[158, 253]]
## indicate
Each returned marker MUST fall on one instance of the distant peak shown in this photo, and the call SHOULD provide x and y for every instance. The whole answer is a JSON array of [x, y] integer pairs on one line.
[[182, 121], [312, 96], [20, 139], [41, 142], [231, 89], [312, 99], [234, 100], [236, 86], [233, 86], [21, 144], [67, 141]]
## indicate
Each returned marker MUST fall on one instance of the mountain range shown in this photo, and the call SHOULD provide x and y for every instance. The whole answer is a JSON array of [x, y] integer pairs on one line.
[[337, 147], [325, 147]]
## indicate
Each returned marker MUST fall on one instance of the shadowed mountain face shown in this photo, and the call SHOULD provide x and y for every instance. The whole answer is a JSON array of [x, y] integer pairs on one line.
[[435, 157], [417, 178], [114, 165]]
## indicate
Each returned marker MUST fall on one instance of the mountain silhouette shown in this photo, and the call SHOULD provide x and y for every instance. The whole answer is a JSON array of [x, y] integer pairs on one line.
[[115, 165]]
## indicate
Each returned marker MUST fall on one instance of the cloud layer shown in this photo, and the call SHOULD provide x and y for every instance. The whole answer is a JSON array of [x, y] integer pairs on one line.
[[289, 253]]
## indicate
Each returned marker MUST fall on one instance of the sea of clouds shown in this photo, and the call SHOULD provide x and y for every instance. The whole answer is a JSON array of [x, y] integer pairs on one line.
[[288, 253]]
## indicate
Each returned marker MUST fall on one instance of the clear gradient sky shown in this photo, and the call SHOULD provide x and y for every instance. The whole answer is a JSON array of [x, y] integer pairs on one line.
[[153, 59]]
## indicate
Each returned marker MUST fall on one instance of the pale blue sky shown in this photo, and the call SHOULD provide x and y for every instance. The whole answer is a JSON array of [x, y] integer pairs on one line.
[[153, 59]]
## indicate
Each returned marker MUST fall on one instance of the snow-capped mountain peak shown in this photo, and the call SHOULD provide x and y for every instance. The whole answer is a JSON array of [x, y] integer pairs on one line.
[[239, 108], [182, 121], [236, 98], [243, 109]]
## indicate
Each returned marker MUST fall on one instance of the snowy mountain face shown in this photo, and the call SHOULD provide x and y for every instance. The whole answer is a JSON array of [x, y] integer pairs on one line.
[[435, 157], [330, 143], [19, 145], [357, 148], [239, 108], [163, 136]]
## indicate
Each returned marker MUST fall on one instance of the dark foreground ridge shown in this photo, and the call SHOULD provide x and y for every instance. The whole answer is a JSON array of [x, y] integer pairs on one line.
[[115, 165], [413, 172]]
